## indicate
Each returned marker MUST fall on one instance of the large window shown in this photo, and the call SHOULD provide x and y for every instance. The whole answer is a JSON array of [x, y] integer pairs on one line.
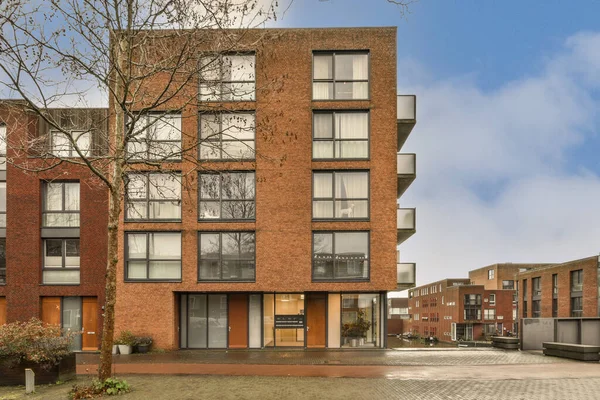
[[361, 319], [227, 136], [227, 195], [153, 256], [61, 204], [341, 195], [61, 261], [226, 256], [341, 76], [472, 307], [577, 307], [66, 145], [341, 135], [2, 260], [153, 196], [577, 280], [155, 137], [510, 285], [340, 255], [228, 77]]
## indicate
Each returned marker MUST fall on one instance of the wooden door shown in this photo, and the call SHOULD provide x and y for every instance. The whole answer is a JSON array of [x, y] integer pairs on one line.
[[316, 323], [90, 324], [51, 310], [238, 321], [2, 310]]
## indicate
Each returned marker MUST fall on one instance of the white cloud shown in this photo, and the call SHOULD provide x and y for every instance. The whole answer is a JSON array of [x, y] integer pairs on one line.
[[496, 178]]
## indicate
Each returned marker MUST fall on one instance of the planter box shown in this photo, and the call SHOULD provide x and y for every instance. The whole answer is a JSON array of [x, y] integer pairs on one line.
[[12, 375]]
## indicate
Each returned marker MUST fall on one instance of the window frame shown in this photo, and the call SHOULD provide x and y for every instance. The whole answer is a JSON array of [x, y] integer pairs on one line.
[[334, 140], [45, 210], [157, 115], [333, 198], [491, 274], [573, 312], [63, 266], [536, 291], [72, 152], [221, 233], [126, 258], [368, 259], [489, 314], [221, 82], [333, 53], [3, 262], [149, 201], [578, 272], [492, 299], [220, 200], [219, 136], [3, 146]]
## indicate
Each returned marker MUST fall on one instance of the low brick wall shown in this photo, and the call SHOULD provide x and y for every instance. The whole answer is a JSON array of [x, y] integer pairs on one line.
[[12, 375]]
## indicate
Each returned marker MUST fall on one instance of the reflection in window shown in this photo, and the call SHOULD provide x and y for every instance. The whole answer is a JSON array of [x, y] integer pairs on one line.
[[227, 256], [340, 195], [340, 256], [360, 320], [153, 196], [61, 204], [227, 136], [341, 135], [227, 77], [340, 76], [155, 137], [153, 256], [66, 145], [227, 195], [61, 261]]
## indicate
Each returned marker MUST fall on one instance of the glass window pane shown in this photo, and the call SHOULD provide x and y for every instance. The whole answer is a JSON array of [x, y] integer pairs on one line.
[[165, 246], [322, 90], [164, 150], [238, 210], [3, 139], [137, 150], [60, 277], [237, 186], [136, 245], [238, 68], [210, 210], [210, 126], [61, 146], [165, 127], [351, 185], [53, 196], [210, 151], [136, 186], [322, 149], [323, 209], [323, 66], [238, 150], [210, 186], [165, 270], [136, 270], [352, 209], [351, 90], [230, 245], [136, 210], [2, 196], [323, 125], [352, 125], [72, 253], [352, 243], [323, 185], [238, 91], [165, 186], [217, 321], [349, 67], [209, 246], [210, 68], [352, 149], [238, 126], [71, 318], [198, 327], [72, 196], [84, 142], [165, 210], [254, 321]]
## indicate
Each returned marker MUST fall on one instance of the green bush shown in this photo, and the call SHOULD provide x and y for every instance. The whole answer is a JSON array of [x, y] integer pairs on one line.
[[34, 341], [126, 338], [111, 387]]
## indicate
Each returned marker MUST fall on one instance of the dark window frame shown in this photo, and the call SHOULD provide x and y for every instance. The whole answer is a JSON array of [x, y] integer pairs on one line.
[[63, 266], [367, 259], [333, 80], [333, 199], [217, 138], [221, 200], [334, 140], [149, 201], [146, 158], [62, 210], [218, 57], [220, 259], [126, 259]]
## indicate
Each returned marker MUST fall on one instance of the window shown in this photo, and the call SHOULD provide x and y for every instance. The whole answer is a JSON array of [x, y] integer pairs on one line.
[[227, 136], [472, 307], [61, 261], [554, 284], [155, 137], [536, 310], [554, 308], [577, 280], [66, 145], [341, 76], [340, 195], [577, 307], [489, 314], [227, 195], [508, 285], [340, 256], [492, 299], [2, 261], [61, 204], [341, 135], [153, 256], [2, 204], [226, 256], [153, 196], [524, 309], [536, 286], [229, 77], [490, 274], [524, 289], [2, 147]]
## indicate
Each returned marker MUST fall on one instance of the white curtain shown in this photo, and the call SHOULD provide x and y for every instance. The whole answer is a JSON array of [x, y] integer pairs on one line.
[[352, 125]]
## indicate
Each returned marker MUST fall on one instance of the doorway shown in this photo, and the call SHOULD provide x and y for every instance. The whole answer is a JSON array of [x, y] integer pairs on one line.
[[316, 320]]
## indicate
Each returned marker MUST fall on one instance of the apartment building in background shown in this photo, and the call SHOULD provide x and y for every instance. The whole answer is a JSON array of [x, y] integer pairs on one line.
[[277, 230], [398, 315]]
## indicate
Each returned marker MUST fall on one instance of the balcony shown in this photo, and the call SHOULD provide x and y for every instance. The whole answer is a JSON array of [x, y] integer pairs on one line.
[[406, 223], [407, 165], [407, 117], [406, 274]]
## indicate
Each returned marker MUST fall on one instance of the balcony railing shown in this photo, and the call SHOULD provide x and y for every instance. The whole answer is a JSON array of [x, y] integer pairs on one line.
[[406, 274], [407, 116], [406, 223], [407, 164]]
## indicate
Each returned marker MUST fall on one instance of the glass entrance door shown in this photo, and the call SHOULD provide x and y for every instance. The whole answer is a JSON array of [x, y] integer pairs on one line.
[[289, 320]]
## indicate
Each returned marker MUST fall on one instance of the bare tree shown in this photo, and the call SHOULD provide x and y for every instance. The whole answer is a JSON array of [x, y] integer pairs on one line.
[[148, 60]]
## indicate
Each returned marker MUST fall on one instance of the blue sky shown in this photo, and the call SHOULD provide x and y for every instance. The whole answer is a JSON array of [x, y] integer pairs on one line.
[[508, 127]]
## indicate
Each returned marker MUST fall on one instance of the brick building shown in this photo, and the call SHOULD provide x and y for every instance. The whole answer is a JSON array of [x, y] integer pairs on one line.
[[560, 290], [398, 315], [276, 229]]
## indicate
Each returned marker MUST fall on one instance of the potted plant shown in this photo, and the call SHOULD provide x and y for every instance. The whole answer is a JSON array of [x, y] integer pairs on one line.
[[125, 341], [142, 343], [358, 330]]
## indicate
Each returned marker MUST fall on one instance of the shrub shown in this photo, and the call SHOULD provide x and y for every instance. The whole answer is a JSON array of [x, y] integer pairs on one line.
[[111, 387], [34, 341], [143, 340], [126, 338]]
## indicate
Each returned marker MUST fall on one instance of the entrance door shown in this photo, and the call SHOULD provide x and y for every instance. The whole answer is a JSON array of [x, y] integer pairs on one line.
[[90, 324], [2, 310], [316, 311], [238, 321]]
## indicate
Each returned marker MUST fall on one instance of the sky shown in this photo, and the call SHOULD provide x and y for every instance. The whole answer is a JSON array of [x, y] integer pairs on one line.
[[508, 126]]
